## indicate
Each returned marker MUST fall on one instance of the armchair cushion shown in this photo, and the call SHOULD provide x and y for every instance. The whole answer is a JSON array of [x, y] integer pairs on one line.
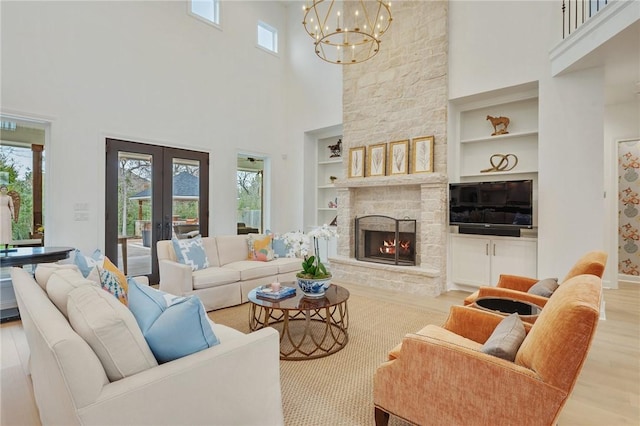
[[544, 288], [506, 339], [191, 252], [172, 326]]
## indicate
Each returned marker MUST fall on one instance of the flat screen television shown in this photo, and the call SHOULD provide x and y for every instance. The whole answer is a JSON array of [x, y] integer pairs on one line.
[[491, 207]]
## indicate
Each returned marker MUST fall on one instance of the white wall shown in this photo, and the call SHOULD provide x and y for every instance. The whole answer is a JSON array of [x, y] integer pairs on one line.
[[149, 72], [314, 103], [505, 43]]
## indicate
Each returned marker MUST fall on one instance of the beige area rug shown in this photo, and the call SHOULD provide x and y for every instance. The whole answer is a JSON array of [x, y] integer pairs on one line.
[[338, 389]]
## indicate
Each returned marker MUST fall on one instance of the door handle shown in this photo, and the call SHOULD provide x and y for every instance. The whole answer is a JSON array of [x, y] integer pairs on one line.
[[486, 249], [494, 249]]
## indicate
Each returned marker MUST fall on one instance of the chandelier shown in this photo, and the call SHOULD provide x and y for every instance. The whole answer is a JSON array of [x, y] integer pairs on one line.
[[346, 32]]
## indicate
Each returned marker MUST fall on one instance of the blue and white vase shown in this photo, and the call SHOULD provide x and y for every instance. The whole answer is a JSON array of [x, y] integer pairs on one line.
[[313, 287]]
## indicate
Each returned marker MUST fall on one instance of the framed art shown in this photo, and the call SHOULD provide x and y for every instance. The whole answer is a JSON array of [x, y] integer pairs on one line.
[[377, 155], [422, 155], [356, 162], [398, 157]]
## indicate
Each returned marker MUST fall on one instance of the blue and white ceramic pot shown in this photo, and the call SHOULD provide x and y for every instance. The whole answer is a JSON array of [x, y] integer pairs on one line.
[[313, 287]]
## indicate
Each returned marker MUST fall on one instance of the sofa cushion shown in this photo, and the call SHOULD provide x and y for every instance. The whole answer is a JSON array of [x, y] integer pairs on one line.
[[87, 263], [250, 269], [287, 264], [63, 282], [260, 248], [191, 252], [213, 277], [45, 270], [111, 331], [506, 339], [544, 288], [231, 248], [173, 326]]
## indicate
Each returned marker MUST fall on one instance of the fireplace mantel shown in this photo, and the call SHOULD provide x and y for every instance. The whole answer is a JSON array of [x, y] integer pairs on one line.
[[397, 180]]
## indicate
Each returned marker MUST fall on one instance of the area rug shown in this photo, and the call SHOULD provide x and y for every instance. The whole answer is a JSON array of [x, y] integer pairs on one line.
[[338, 389]]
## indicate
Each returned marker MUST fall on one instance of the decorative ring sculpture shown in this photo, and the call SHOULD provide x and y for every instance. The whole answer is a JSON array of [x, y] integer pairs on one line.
[[503, 163]]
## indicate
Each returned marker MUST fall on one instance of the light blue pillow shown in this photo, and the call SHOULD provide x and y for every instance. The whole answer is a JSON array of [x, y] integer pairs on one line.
[[279, 247], [191, 252], [173, 326], [87, 263]]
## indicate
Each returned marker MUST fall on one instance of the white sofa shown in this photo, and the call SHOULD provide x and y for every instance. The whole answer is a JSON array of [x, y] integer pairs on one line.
[[230, 276], [236, 382]]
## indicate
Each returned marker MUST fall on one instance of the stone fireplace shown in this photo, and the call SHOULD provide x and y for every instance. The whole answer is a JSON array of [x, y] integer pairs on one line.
[[399, 94], [423, 197]]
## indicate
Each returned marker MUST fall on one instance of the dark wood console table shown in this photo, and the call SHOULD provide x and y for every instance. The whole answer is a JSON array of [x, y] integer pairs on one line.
[[22, 256]]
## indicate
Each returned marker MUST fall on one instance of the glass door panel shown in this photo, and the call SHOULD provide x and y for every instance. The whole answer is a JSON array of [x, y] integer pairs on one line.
[[186, 198], [135, 204]]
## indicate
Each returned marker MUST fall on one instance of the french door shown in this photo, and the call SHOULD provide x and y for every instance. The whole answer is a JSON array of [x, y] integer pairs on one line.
[[152, 193]]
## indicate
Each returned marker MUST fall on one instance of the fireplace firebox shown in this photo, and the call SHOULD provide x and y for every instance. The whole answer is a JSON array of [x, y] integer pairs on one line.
[[383, 239]]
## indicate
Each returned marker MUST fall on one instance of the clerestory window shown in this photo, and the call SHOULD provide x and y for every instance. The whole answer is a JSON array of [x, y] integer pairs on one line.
[[207, 10]]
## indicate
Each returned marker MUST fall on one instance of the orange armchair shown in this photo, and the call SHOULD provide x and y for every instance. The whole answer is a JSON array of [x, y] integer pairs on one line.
[[440, 376], [516, 287]]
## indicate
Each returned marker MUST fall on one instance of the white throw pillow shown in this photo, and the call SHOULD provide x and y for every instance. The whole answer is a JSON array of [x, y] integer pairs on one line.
[[61, 283], [45, 270], [111, 330]]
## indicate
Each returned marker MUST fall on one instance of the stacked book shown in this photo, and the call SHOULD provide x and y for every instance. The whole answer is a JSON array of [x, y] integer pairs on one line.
[[267, 292]]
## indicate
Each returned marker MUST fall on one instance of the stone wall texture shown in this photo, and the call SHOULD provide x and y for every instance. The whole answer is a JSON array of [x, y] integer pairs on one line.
[[400, 94]]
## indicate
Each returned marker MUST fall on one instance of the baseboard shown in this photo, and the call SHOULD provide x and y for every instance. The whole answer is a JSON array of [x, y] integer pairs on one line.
[[629, 278]]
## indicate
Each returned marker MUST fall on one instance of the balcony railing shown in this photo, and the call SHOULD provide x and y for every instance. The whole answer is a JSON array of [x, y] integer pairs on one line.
[[577, 12]]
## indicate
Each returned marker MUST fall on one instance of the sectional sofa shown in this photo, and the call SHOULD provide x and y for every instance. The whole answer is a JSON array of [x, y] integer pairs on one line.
[[230, 276]]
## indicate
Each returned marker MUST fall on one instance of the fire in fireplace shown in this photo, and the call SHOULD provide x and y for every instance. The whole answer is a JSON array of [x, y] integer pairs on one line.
[[383, 239]]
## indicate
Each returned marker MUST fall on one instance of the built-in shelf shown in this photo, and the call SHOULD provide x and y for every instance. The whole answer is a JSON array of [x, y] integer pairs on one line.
[[331, 161], [498, 137], [330, 186], [327, 208]]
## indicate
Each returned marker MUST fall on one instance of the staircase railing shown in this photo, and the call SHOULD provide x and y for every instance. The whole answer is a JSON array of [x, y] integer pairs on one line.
[[576, 12]]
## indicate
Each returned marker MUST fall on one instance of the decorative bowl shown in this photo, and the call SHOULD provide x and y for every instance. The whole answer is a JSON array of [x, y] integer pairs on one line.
[[313, 287]]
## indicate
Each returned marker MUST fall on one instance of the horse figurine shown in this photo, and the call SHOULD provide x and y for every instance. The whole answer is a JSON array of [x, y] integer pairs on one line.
[[496, 121], [336, 150]]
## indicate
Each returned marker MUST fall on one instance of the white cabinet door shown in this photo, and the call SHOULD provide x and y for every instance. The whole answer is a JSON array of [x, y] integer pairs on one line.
[[471, 262], [514, 257]]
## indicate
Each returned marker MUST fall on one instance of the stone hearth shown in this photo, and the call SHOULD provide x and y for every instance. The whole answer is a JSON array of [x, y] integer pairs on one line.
[[421, 197]]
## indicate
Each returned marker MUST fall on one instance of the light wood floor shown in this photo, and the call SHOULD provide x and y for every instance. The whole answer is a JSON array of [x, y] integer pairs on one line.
[[607, 392]]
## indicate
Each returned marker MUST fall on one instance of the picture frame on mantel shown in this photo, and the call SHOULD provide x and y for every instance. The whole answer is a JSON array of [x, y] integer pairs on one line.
[[356, 162], [398, 163], [422, 154], [377, 156]]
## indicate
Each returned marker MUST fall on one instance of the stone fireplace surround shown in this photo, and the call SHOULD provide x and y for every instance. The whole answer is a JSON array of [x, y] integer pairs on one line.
[[419, 196]]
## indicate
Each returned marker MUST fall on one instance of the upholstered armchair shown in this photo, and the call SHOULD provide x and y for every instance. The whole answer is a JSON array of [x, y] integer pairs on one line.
[[440, 375], [517, 287]]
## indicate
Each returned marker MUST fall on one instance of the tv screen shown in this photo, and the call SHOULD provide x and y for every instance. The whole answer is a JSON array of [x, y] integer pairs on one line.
[[508, 203]]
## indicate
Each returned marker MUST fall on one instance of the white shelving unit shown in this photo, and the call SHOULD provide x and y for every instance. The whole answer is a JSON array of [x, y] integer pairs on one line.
[[327, 166], [476, 260]]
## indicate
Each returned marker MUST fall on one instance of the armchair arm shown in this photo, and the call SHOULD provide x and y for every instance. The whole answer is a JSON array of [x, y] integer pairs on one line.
[[175, 278], [436, 379], [473, 323], [512, 294], [236, 382], [516, 282]]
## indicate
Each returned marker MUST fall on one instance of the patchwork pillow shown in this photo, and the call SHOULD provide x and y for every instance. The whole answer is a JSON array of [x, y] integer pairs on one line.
[[260, 247], [191, 252], [173, 326], [506, 339], [111, 331], [87, 263], [544, 288], [45, 270]]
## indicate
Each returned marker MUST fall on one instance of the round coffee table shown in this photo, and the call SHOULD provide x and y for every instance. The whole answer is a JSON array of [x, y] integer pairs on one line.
[[309, 328], [504, 306]]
